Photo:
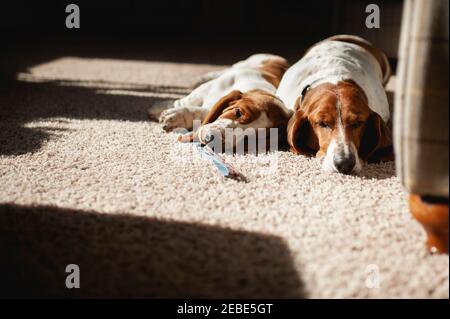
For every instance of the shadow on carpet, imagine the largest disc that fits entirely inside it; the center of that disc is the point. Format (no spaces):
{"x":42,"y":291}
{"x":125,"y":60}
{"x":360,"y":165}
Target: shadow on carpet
{"x":23,"y":102}
{"x":129,"y":256}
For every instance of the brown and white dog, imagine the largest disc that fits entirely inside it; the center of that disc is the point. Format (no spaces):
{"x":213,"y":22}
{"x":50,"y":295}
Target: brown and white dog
{"x":242,"y":96}
{"x":341,"y":108}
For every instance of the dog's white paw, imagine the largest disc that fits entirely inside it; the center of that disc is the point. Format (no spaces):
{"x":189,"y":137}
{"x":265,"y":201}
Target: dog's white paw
{"x":173,"y":118}
{"x":154,"y":112}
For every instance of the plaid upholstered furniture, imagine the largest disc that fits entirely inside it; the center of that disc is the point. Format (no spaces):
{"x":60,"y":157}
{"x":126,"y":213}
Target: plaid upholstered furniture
{"x":421,"y":115}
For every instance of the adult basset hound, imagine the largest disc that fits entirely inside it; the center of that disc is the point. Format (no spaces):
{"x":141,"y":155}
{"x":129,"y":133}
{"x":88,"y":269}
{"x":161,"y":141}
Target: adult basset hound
{"x":341,"y":108}
{"x":242,"y":96}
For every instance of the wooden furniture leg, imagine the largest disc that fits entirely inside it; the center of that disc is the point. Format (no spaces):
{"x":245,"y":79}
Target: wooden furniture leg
{"x":432,"y":213}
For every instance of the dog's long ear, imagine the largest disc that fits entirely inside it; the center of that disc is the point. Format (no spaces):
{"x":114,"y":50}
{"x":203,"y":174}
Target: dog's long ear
{"x":222,"y":104}
{"x":300,"y":135}
{"x":376,"y":142}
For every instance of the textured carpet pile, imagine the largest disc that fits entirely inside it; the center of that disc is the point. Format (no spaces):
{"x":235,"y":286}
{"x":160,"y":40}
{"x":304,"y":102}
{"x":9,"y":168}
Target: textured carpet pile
{"x":86,"y":179}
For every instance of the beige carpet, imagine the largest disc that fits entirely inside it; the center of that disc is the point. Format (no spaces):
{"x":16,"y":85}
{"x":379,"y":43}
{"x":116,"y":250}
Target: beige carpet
{"x":85,"y":179}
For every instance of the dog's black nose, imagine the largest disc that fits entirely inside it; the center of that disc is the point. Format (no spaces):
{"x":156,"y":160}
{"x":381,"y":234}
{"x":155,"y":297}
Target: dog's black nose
{"x":208,"y":137}
{"x":344,"y":163}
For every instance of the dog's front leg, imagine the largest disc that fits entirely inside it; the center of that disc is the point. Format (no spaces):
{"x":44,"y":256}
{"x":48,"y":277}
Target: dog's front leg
{"x":182,"y":117}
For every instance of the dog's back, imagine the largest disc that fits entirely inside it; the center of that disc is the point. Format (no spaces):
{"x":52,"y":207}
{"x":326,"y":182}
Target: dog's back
{"x":335,"y":59}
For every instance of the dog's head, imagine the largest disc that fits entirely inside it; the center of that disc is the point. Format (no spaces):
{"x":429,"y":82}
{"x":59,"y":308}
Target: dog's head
{"x":335,"y":122}
{"x":254,"y":109}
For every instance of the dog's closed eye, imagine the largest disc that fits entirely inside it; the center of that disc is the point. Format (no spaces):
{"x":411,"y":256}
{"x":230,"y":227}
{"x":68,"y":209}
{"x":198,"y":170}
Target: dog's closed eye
{"x":356,"y":124}
{"x":323,"y":124}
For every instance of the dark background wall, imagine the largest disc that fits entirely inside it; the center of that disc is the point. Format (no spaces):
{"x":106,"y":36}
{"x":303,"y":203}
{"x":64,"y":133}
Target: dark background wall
{"x":281,"y":26}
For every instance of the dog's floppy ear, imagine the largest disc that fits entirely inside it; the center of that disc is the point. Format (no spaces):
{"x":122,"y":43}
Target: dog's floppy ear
{"x":300,"y":135}
{"x":376,"y":142}
{"x":222,"y":104}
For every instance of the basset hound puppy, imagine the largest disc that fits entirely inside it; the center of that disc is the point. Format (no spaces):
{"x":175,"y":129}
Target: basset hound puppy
{"x":242,"y":96}
{"x":341,"y":108}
